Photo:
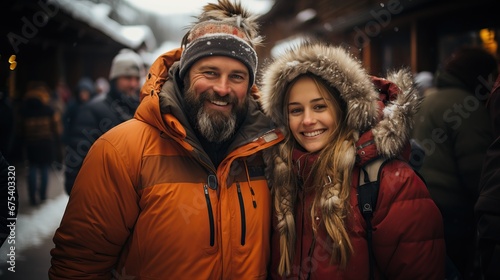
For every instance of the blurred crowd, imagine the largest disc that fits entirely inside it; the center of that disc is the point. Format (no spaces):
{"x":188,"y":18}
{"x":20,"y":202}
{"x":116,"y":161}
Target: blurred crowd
{"x":54,"y":128}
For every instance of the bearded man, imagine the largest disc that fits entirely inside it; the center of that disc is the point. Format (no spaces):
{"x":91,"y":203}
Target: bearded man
{"x":179,"y":191}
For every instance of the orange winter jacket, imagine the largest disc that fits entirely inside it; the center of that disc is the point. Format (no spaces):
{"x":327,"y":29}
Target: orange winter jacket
{"x":149,"y":204}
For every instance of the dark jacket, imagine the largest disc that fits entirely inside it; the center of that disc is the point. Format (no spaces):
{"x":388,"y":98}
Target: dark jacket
{"x":7,"y":131}
{"x":487,"y":206}
{"x":93,"y":120}
{"x":74,"y":105}
{"x":41,"y":127}
{"x":453,"y":127}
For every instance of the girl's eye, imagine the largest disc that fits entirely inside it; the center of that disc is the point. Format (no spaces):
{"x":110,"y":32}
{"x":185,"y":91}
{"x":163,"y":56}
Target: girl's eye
{"x":320,"y":107}
{"x":294,"y":111}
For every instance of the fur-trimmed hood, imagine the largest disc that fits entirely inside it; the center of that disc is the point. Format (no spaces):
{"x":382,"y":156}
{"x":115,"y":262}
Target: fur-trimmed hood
{"x":382,"y":108}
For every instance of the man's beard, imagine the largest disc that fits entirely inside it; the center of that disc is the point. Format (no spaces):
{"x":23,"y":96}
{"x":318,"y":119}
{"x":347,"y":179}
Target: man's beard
{"x":215,"y":126}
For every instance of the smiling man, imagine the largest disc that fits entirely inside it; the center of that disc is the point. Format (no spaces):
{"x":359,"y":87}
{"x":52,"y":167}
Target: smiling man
{"x":217,"y":99}
{"x":179,"y":191}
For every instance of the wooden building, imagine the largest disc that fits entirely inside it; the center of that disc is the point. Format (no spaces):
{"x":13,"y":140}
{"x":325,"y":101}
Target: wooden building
{"x":59,"y":41}
{"x":386,"y":34}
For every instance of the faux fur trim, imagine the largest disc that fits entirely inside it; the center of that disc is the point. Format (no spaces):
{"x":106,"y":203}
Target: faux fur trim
{"x":393,"y":132}
{"x":346,"y":73}
{"x":334,"y":65}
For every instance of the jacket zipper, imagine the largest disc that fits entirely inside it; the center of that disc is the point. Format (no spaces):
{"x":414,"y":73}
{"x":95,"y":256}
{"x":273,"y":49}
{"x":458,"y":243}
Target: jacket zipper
{"x":210,"y":215}
{"x":242,"y":211}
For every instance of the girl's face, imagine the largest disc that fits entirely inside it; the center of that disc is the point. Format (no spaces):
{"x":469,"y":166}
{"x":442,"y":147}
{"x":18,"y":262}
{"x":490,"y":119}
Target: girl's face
{"x":311,"y":117}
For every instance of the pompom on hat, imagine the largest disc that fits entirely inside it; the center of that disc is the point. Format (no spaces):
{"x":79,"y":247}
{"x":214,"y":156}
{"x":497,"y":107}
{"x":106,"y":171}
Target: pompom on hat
{"x":222,"y":29}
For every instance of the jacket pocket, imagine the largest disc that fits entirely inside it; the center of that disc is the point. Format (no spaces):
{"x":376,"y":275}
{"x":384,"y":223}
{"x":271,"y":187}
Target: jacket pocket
{"x":242,"y":212}
{"x":210,"y":215}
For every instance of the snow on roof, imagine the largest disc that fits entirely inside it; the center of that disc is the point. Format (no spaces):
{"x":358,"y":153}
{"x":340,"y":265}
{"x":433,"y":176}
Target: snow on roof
{"x":150,"y":57}
{"x":97,"y":16}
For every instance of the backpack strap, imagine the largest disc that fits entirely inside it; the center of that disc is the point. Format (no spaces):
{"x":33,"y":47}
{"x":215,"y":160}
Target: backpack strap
{"x":368,"y":188}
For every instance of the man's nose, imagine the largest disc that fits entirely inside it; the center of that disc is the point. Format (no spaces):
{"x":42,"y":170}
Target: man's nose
{"x":222,"y":86}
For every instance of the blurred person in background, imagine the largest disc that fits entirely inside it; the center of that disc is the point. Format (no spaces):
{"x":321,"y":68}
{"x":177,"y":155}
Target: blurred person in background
{"x":424,"y":81}
{"x":84,"y":91}
{"x":453,"y":128}
{"x":7,"y":123}
{"x":101,"y":114}
{"x":101,"y":86}
{"x":41,"y":134}
{"x":487,"y":207}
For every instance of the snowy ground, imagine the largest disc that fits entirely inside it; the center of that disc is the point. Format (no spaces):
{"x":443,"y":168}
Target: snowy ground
{"x":34,"y":228}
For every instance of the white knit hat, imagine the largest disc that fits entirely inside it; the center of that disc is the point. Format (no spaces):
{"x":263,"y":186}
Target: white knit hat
{"x":127,"y":63}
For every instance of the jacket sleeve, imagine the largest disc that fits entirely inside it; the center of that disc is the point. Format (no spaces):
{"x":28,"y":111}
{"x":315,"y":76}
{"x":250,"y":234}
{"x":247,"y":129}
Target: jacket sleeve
{"x":486,"y":208}
{"x":99,"y":217}
{"x":469,"y":155}
{"x":488,"y":213}
{"x":408,"y":233}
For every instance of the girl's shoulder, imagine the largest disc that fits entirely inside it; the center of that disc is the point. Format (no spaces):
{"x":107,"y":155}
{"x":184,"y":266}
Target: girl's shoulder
{"x":399,"y":182}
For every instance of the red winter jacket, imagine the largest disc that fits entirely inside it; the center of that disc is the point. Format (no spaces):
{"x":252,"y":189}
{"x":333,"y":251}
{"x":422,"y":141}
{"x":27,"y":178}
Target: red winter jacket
{"x":408,"y":238}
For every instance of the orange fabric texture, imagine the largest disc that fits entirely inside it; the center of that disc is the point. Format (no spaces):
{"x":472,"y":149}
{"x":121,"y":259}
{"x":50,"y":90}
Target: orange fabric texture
{"x":158,"y":72}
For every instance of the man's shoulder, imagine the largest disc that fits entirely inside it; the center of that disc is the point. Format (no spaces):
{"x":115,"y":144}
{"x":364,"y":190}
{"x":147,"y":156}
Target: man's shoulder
{"x":130,"y":130}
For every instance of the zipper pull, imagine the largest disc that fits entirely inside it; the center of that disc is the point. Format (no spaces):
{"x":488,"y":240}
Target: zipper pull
{"x":212,"y":181}
{"x":253,"y":197}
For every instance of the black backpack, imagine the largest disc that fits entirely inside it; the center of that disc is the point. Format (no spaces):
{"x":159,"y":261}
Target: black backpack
{"x":367,"y":200}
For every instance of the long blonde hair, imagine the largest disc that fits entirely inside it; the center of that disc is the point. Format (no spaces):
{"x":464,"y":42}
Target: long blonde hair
{"x":331,"y":181}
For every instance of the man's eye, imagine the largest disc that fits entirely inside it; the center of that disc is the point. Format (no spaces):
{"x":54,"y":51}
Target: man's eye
{"x":237,"y":77}
{"x":210,"y":73}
